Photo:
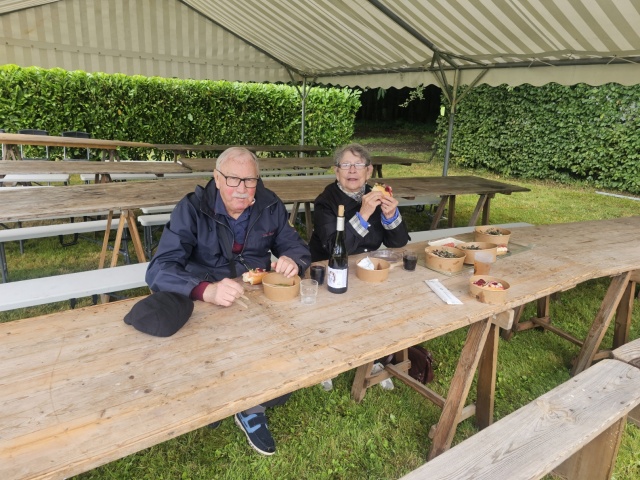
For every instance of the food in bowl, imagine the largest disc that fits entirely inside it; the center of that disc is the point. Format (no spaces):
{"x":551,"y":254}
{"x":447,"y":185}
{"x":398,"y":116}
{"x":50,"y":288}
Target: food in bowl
{"x":444,"y":259}
{"x":492,"y":285}
{"x":498,"y":235}
{"x":489,"y":289}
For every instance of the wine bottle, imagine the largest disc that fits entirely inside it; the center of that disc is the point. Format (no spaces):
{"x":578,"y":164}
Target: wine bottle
{"x":338,"y":268}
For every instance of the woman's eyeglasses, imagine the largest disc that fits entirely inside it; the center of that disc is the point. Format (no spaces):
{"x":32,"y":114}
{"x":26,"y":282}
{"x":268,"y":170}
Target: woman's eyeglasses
{"x":347,"y":166}
{"x":235,"y":181}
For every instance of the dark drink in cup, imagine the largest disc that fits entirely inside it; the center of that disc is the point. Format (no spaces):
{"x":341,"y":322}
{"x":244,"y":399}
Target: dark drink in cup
{"x":316,"y":272}
{"x":409,"y":260}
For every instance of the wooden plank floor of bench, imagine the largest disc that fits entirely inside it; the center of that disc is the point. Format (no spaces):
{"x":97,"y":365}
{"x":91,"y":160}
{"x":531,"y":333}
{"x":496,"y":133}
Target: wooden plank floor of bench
{"x":540,"y":436}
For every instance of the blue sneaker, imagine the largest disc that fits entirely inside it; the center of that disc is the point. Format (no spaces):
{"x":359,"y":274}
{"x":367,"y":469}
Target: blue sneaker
{"x":255,"y":428}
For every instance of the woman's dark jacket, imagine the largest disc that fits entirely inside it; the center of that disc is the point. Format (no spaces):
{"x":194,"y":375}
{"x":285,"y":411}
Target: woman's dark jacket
{"x":324,"y":218}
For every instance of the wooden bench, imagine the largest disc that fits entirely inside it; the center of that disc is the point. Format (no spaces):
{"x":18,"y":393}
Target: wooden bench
{"x":427,"y":235}
{"x":574,"y":430}
{"x":47,"y":178}
{"x":630,"y":353}
{"x":42,"y":231}
{"x":39,"y":291}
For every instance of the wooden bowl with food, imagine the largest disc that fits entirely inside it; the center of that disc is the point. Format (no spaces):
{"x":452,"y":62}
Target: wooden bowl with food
{"x":488,"y":289}
{"x":378,"y":274}
{"x":498,"y":235}
{"x":444,"y":259}
{"x":279,"y":288}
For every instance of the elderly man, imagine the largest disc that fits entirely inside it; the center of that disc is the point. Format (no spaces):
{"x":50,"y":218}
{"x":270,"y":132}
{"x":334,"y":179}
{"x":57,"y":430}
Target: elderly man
{"x":219,"y":232}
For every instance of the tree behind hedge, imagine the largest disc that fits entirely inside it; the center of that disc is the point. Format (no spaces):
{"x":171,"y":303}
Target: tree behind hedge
{"x":554,"y":132}
{"x":159,"y":110}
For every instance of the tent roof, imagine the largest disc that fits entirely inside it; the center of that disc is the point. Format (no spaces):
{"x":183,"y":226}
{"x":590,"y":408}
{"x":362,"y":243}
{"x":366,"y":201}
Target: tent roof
{"x":357,"y":42}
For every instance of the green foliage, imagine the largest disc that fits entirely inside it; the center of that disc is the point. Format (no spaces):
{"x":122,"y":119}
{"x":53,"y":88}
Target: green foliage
{"x":159,"y":110}
{"x":554,"y":132}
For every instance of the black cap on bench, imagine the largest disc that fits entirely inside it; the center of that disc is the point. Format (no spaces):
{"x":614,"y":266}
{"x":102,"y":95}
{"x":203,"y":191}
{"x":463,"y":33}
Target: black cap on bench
{"x":160,"y":314}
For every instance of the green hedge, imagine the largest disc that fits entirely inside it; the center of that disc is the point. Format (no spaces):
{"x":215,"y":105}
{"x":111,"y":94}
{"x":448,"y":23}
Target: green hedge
{"x":159,"y":110}
{"x":557,"y":132}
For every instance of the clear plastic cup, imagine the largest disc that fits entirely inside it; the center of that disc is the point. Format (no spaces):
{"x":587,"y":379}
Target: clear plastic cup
{"x":308,"y":291}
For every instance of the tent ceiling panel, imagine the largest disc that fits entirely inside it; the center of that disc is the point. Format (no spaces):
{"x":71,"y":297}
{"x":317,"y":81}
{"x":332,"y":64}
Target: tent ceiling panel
{"x":355,"y":42}
{"x":153,"y":38}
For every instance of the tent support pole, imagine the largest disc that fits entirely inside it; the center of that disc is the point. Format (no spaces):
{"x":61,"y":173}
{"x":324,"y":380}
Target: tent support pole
{"x":303,"y":93}
{"x":452,"y":97}
{"x":452,"y":116}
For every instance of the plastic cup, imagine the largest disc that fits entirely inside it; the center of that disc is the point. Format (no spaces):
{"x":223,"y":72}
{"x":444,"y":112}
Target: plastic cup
{"x":409,"y":260}
{"x":482,"y":263}
{"x":308,"y":291}
{"x":316,"y":272}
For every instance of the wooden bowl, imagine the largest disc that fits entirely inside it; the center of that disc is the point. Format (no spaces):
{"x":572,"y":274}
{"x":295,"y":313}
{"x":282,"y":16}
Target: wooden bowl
{"x":445,"y":264}
{"x":380,"y":274}
{"x":492,"y":248}
{"x":499,"y":236}
{"x":488,"y":294}
{"x":279,"y":288}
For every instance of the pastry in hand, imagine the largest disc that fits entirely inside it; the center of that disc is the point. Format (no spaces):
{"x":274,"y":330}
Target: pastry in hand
{"x":381,"y":187}
{"x":254,"y":276}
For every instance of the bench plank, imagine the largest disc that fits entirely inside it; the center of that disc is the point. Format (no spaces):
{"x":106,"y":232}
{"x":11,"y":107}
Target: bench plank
{"x":39,"y":291}
{"x":540,"y":436}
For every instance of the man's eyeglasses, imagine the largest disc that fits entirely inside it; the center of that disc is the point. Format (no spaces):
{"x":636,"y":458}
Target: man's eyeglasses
{"x":347,"y":166}
{"x":250,"y":182}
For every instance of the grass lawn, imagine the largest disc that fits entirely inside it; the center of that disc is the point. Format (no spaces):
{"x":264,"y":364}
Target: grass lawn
{"x":325,"y":435}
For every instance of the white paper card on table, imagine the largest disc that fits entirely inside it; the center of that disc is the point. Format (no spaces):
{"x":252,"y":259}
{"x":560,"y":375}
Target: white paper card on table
{"x":443,"y":292}
{"x":449,"y":241}
{"x":367,"y":264}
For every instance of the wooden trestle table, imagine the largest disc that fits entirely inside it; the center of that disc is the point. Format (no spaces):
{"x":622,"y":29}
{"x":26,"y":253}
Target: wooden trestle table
{"x":9,"y":140}
{"x":101,"y":170}
{"x":81,"y":388}
{"x":77,"y":199}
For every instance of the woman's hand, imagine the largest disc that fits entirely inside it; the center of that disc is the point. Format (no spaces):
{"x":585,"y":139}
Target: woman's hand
{"x":388,"y":205}
{"x":370,"y":202}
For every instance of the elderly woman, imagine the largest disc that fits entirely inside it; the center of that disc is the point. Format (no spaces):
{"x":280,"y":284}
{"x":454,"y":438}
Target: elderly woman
{"x":371,"y":217}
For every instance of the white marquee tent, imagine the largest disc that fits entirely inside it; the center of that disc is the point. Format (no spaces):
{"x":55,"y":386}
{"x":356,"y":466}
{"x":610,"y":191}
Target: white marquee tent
{"x":365,"y":43}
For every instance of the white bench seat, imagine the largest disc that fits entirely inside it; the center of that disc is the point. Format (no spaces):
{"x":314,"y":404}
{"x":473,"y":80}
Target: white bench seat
{"x":426,"y":235}
{"x":40,"y":291}
{"x":43,"y":231}
{"x":36,"y":178}
{"x":158,"y":209}
{"x":574,"y":430}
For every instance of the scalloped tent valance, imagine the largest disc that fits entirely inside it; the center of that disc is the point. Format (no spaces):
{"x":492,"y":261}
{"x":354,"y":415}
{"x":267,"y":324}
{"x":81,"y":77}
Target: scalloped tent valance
{"x":375,"y":43}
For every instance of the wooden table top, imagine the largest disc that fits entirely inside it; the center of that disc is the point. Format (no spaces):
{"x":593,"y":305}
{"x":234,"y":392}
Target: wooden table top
{"x":52,"y":364}
{"x":254,"y":148}
{"x":208,"y":164}
{"x":31,"y":204}
{"x":82,"y":166}
{"x":54,"y":141}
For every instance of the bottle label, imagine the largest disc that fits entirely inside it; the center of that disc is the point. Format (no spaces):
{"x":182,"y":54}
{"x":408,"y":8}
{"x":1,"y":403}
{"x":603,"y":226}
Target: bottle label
{"x":340,"y":224}
{"x":337,"y":278}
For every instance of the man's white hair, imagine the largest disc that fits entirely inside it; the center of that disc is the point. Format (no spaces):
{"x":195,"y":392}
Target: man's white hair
{"x":235,"y":152}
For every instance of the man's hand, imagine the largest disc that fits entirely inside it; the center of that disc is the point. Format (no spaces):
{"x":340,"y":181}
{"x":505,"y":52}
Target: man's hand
{"x":388,"y":205}
{"x":223,"y":293}
{"x":286,"y":266}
